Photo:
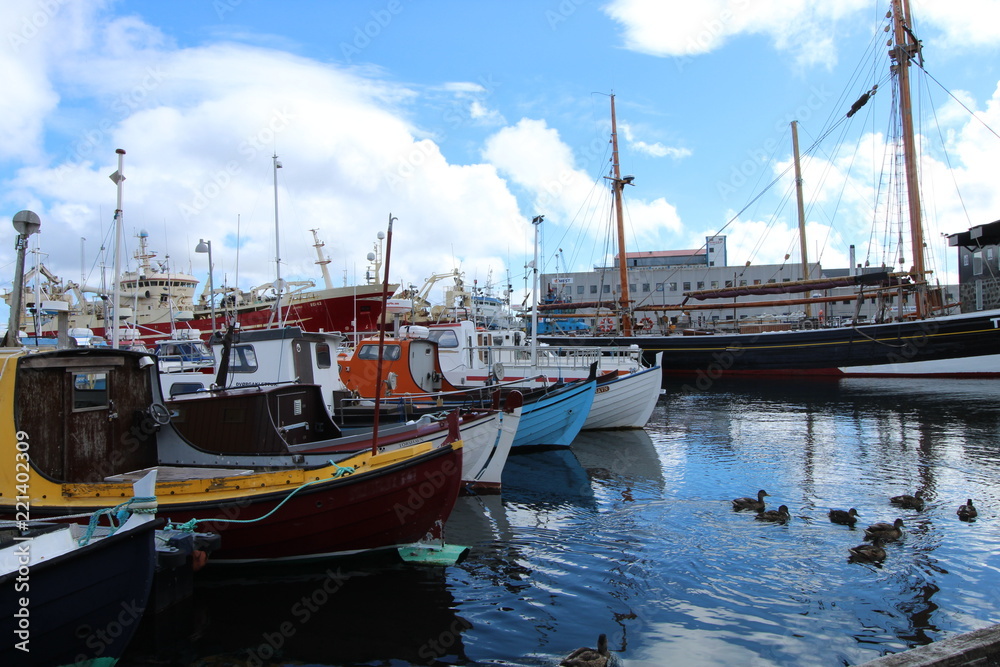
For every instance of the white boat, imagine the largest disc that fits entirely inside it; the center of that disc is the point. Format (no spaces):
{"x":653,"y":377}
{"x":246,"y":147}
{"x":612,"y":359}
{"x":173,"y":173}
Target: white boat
{"x":627,"y":387}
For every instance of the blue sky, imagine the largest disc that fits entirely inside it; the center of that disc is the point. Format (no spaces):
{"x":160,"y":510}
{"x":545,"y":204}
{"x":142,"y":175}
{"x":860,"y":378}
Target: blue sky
{"x":464,"y":120}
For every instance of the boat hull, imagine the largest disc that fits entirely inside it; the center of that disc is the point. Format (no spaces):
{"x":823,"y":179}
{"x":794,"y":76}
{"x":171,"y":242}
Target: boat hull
{"x":382,"y":508}
{"x":556,"y":419}
{"x":626,"y":401}
{"x":940,"y":347}
{"x":84,"y":605}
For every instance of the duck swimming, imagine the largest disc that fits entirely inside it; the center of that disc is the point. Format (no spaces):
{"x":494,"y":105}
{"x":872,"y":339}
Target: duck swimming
{"x":887,"y":532}
{"x":845,"y":517}
{"x":914,"y":502}
{"x":779,"y":515}
{"x":967,"y":512}
{"x":755,"y":504}
{"x":868,"y":553}
{"x":588,"y":657}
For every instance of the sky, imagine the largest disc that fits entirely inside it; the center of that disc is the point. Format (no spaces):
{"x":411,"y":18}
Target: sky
{"x":464,"y":120}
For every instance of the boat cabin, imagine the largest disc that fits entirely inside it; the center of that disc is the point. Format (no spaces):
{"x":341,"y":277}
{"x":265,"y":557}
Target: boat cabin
{"x":90,"y":413}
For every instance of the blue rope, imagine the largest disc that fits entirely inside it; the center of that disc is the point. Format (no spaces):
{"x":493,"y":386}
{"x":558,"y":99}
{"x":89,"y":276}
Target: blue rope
{"x":117,"y":516}
{"x":190,"y":524}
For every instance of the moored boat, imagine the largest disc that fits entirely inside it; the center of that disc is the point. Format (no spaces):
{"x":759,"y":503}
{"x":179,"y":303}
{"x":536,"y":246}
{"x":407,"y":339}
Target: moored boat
{"x":93,"y":420}
{"x":915,"y":337}
{"x":72,"y":594}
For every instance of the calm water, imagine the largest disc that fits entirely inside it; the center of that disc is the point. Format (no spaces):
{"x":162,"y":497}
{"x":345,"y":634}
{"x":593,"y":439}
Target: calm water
{"x":632,"y":534}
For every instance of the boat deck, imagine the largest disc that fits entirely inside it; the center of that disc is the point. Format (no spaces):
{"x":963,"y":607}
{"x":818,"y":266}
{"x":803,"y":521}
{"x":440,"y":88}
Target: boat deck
{"x":178,"y":473}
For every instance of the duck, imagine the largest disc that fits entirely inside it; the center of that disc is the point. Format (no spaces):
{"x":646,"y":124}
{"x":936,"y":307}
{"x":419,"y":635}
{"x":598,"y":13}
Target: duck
{"x":756,"y":504}
{"x":887,"y":532}
{"x":845,"y":517}
{"x":914,"y":502}
{"x":967,"y":512}
{"x":779,"y":515}
{"x":588,"y":657}
{"x":868,"y":553}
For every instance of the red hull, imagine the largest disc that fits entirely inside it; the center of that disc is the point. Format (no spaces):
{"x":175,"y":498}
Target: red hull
{"x":396,"y":505}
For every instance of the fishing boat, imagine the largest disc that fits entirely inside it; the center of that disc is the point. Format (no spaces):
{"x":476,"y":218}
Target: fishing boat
{"x":94,"y":420}
{"x":153,"y":301}
{"x":552,"y":413}
{"x":917,"y":337}
{"x":74,"y":594}
{"x":627,"y":386}
{"x":289,"y":378}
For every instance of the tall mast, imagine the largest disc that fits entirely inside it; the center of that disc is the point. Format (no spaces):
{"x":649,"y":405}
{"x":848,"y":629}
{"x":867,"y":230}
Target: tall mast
{"x":322,"y":260}
{"x":905,"y":46}
{"x":619,"y":184}
{"x":277,"y":243}
{"x":537,"y":222}
{"x":801,"y":207}
{"x":118,"y":177}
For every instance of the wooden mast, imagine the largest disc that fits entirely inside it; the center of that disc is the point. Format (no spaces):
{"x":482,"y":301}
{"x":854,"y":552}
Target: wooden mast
{"x":624,"y":302}
{"x":904,"y":47}
{"x":801,"y":208}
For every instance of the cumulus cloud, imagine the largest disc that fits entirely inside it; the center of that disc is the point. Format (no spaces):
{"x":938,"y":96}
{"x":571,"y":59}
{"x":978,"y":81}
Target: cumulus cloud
{"x":200,"y":125}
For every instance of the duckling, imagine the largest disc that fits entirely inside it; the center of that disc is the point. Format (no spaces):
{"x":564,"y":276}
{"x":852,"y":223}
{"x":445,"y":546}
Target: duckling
{"x":887,"y":532}
{"x":868,"y":553}
{"x":740,"y":504}
{"x":967,"y":512}
{"x":588,"y":657}
{"x":845,"y":517}
{"x":914,"y":502}
{"x":779,"y":515}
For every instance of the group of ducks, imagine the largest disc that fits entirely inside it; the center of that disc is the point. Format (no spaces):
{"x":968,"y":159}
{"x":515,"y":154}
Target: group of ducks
{"x":877,"y":533}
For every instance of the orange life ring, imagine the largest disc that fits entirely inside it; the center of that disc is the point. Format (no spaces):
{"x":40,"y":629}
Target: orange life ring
{"x":607,"y":324}
{"x":646,"y":323}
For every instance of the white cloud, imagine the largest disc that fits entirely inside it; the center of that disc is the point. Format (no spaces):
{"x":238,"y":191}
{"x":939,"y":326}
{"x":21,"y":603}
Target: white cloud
{"x":199,"y":126}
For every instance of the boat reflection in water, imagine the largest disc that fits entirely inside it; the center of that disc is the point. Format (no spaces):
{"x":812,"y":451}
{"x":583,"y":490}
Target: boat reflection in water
{"x":632,"y":534}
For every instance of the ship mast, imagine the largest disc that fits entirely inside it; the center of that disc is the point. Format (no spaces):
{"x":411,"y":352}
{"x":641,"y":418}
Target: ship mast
{"x":904,"y":47}
{"x":801,"y":209}
{"x":619,"y":184}
{"x":322,"y":259}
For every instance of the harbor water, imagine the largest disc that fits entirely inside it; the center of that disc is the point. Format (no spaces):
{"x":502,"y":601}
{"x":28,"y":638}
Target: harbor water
{"x":632,"y":534}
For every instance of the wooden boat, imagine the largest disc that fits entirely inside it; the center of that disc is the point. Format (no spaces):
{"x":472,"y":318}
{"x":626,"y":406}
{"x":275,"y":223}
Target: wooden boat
{"x":552,"y":414}
{"x":74,"y":596}
{"x":297,"y":430}
{"x":919,"y":339}
{"x":293,"y":377}
{"x":93,"y":420}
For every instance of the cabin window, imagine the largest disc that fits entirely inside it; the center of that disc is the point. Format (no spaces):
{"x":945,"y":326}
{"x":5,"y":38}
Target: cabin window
{"x":444,"y":337}
{"x":371,"y":352}
{"x":593,"y":289}
{"x":673,"y":287}
{"x":243,"y":359}
{"x":687,"y":286}
{"x":701,"y":284}
{"x":90,"y":390}
{"x":178,"y":388}
{"x":631,"y":287}
{"x":606,"y":289}
{"x":323,"y":357}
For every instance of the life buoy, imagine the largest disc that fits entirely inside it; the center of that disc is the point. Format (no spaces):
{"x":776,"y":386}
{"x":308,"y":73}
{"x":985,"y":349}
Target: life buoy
{"x":646,"y":323}
{"x":607,"y":324}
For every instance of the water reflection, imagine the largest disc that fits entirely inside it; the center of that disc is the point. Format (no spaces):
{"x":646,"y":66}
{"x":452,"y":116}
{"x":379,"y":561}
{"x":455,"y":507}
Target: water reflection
{"x":632,"y":534}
